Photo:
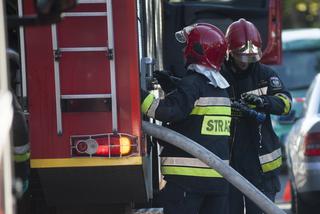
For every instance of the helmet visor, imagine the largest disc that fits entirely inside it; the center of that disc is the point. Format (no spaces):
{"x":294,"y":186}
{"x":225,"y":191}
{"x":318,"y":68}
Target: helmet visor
{"x":247,"y":53}
{"x":182,"y":35}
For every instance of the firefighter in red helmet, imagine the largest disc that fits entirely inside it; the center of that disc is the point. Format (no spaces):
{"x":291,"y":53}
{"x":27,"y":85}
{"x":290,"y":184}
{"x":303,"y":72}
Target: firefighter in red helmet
{"x":244,"y":42}
{"x":255,"y":148}
{"x":200,"y":109}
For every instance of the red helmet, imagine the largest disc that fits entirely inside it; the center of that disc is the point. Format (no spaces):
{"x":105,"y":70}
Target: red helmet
{"x":244,"y":42}
{"x":206,"y":45}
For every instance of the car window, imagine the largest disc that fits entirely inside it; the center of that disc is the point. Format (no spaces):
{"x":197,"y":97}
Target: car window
{"x":298,"y":68}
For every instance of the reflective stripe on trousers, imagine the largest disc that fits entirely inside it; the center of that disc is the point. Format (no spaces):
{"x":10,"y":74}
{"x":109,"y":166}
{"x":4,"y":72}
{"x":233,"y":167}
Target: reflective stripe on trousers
{"x":187,"y":167}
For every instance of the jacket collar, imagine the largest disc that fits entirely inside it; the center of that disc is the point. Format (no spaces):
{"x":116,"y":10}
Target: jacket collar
{"x":215,"y":78}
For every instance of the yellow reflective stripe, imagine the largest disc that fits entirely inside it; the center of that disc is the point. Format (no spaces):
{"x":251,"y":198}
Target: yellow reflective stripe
{"x":147,"y":102}
{"x":85,"y":162}
{"x":182,"y":161}
{"x":216,"y":125}
{"x":287,"y":103}
{"x":22,"y":157}
{"x":272,"y":165}
{"x":206,"y":110}
{"x":189,"y":171}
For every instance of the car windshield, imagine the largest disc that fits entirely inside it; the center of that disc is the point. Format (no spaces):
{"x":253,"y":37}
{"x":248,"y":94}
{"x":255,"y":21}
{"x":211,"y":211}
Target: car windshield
{"x":298,"y":68}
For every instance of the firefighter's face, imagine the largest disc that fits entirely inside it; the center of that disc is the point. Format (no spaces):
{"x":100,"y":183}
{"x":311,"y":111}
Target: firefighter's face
{"x":241,"y":65}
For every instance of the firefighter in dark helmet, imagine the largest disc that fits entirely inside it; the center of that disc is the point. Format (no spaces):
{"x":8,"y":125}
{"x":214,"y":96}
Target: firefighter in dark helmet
{"x":198,"y":108}
{"x":255,"y":148}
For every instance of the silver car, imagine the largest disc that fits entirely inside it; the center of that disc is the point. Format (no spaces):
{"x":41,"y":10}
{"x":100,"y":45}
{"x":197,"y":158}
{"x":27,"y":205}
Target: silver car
{"x":303,"y":154}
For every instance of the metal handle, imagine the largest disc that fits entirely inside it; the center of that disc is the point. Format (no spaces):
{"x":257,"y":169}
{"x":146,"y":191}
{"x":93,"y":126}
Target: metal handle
{"x":146,"y":70}
{"x":110,"y":45}
{"x":57,"y":80}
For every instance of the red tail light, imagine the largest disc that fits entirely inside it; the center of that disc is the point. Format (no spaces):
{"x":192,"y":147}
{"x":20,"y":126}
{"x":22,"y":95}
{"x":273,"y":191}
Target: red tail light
{"x":312,"y":144}
{"x":102,"y":150}
{"x":118,"y":145}
{"x":106,"y":145}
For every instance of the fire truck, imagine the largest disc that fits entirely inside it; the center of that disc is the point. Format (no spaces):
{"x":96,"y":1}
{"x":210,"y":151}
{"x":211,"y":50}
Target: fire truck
{"x":80,"y":83}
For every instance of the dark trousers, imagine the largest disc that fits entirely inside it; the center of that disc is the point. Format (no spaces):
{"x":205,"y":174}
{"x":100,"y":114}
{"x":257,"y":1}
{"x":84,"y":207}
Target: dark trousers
{"x":176,"y":200}
{"x":238,"y":202}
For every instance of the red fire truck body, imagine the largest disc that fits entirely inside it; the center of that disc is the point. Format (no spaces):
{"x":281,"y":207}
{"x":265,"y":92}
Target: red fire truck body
{"x":83,"y":98}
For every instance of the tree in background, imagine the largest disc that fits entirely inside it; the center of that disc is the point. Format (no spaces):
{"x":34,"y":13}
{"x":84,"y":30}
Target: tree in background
{"x":301,"y":13}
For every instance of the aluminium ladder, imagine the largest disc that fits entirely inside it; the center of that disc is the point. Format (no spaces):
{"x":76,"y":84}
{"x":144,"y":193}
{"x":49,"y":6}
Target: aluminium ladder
{"x":108,"y":49}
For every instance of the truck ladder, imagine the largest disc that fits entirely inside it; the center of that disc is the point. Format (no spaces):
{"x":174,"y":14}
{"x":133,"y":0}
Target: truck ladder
{"x":109,"y":49}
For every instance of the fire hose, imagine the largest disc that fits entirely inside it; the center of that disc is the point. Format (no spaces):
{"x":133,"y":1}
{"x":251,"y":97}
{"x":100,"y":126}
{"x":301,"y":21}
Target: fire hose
{"x":214,"y":162}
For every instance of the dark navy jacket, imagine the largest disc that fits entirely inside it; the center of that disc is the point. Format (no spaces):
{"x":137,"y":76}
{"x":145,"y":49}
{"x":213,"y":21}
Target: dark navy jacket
{"x":255,"y":148}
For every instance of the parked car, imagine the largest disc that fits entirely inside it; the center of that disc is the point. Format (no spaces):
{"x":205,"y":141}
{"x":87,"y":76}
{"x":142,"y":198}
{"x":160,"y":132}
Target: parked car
{"x":303,"y":154}
{"x":300,"y":64}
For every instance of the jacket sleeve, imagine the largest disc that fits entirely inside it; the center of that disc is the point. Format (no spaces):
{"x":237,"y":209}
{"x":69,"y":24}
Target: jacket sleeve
{"x":278,"y":99}
{"x":176,"y":106}
{"x":21,"y":145}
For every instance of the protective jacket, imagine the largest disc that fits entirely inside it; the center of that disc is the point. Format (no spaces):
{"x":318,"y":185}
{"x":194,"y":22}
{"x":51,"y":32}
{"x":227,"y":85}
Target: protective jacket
{"x":201,"y":112}
{"x":255,"y":148}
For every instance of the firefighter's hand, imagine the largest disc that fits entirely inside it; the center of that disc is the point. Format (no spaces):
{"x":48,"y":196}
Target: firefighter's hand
{"x":165,"y":80}
{"x":239,"y":107}
{"x":161,"y":75}
{"x":236,"y":105}
{"x":254,"y":100}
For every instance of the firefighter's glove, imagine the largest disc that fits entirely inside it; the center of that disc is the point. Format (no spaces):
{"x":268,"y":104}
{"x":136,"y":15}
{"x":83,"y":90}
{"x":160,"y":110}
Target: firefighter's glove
{"x":238,"y":107}
{"x":165,"y":80}
{"x":247,"y":112}
{"x":253,"y":99}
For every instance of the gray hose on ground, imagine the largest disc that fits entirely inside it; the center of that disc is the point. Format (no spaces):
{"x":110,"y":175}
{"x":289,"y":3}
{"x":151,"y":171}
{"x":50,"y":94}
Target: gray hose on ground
{"x":213,"y":161}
